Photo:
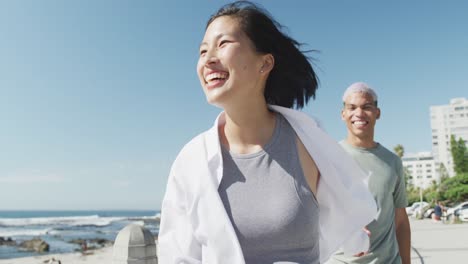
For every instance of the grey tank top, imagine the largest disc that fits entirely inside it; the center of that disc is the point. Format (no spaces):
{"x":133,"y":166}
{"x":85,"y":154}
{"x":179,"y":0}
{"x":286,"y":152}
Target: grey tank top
{"x":273,"y":211}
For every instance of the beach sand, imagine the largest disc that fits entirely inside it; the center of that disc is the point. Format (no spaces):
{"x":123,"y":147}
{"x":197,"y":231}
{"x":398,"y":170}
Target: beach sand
{"x":99,"y":256}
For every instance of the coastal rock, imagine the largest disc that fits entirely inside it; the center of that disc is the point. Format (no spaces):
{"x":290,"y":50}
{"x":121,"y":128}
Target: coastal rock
{"x":98,"y":241}
{"x":7,"y":241}
{"x":77,"y":241}
{"x":91,"y":244}
{"x":102,"y":242}
{"x":35,"y":244}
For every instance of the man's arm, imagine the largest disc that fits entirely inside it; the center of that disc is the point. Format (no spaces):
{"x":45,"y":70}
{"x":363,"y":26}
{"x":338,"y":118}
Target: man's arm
{"x":403,"y":234}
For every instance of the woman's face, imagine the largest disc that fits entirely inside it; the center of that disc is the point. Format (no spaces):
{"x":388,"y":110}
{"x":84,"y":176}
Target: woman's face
{"x":228,"y":66}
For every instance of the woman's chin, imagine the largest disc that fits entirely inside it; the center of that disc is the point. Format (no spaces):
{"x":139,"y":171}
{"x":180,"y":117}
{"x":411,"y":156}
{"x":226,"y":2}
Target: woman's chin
{"x":216,"y":98}
{"x":212,"y":100}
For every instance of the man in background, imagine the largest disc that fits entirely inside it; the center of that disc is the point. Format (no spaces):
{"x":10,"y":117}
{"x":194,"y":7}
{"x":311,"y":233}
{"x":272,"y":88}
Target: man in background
{"x":390,"y":238}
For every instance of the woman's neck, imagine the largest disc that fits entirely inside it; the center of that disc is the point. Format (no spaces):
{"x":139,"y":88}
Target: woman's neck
{"x":247,"y":129}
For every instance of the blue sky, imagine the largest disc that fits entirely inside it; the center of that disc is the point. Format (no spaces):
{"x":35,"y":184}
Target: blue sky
{"x":98,"y":97}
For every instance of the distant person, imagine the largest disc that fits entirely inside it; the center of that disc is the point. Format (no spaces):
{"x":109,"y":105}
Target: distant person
{"x":84,"y":246}
{"x":265,"y":184}
{"x":438,"y":209}
{"x":390,"y":232}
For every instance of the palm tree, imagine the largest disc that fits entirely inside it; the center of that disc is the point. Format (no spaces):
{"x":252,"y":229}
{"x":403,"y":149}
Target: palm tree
{"x":399,"y":150}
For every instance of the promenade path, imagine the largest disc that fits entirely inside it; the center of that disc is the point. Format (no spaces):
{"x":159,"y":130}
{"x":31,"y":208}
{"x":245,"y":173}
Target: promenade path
{"x":438,"y":243}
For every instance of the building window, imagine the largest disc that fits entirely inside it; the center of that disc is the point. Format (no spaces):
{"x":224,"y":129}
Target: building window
{"x":435,"y":143}
{"x":460,"y":129}
{"x":429,"y":176}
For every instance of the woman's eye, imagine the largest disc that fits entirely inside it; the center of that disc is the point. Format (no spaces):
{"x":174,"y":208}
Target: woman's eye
{"x":202,"y":52}
{"x":223,"y":42}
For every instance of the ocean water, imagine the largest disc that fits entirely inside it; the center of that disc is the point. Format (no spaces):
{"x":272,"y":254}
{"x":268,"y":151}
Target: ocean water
{"x":58,"y":228}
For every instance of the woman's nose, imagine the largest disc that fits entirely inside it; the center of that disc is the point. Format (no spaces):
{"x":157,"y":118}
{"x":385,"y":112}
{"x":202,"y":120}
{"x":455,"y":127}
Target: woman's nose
{"x":211,"y":60}
{"x":211,"y":57}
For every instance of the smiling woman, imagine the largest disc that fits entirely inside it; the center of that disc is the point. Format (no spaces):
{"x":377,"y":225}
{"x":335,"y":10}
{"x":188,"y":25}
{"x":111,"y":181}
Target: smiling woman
{"x":247,"y":190}
{"x":228,"y":67}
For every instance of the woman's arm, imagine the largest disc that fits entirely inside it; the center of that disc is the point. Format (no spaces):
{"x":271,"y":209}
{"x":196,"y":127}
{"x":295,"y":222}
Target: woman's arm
{"x":176,"y":241}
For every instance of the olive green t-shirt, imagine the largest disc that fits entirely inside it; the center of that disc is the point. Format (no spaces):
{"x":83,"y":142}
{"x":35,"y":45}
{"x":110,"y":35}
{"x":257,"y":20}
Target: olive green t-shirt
{"x":387,"y":185}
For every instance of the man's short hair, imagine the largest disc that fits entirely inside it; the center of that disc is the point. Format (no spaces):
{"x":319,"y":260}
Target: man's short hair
{"x":360,"y":87}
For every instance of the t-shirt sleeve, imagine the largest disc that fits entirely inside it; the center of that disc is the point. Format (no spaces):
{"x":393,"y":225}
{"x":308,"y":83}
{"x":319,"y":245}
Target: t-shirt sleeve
{"x":399,"y":194}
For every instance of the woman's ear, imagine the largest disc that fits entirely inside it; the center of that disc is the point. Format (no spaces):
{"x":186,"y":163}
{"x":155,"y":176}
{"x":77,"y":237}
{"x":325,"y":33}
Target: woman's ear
{"x":268,"y":63}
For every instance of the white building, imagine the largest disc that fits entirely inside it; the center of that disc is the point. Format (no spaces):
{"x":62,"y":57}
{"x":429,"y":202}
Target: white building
{"x":422,"y":169}
{"x":447,"y":120}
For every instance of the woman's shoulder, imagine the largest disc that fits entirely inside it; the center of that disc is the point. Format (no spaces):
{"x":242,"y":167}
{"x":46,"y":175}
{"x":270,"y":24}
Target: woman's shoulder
{"x":195,"y":147}
{"x":296,"y":117}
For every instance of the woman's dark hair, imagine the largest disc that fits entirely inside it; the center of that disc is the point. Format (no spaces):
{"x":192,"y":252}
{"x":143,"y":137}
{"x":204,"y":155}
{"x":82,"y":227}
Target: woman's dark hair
{"x":292,"y":81}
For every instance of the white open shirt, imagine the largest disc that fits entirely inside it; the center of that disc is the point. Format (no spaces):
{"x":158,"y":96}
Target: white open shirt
{"x":195,"y":227}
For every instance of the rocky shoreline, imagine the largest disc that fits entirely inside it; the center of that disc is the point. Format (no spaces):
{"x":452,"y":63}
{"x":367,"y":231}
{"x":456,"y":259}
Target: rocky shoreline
{"x":40,"y":246}
{"x":36,"y":244}
{"x":98,"y":256}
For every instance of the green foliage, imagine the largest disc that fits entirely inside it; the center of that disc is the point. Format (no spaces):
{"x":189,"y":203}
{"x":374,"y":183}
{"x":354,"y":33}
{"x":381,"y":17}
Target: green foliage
{"x":459,"y":155}
{"x":431,"y":194}
{"x":455,"y":189}
{"x":443,"y":172}
{"x":458,"y":193}
{"x":451,"y":190}
{"x":399,"y":150}
{"x":412,"y":194}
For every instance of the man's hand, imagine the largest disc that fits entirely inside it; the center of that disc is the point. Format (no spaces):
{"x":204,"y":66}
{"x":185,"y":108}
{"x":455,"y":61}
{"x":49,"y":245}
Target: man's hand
{"x":360,"y":254}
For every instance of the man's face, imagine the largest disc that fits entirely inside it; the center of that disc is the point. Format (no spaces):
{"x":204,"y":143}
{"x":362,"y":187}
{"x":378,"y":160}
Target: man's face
{"x":360,"y":114}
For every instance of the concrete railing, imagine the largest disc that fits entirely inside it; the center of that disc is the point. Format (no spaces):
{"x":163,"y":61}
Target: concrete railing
{"x":134,"y":244}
